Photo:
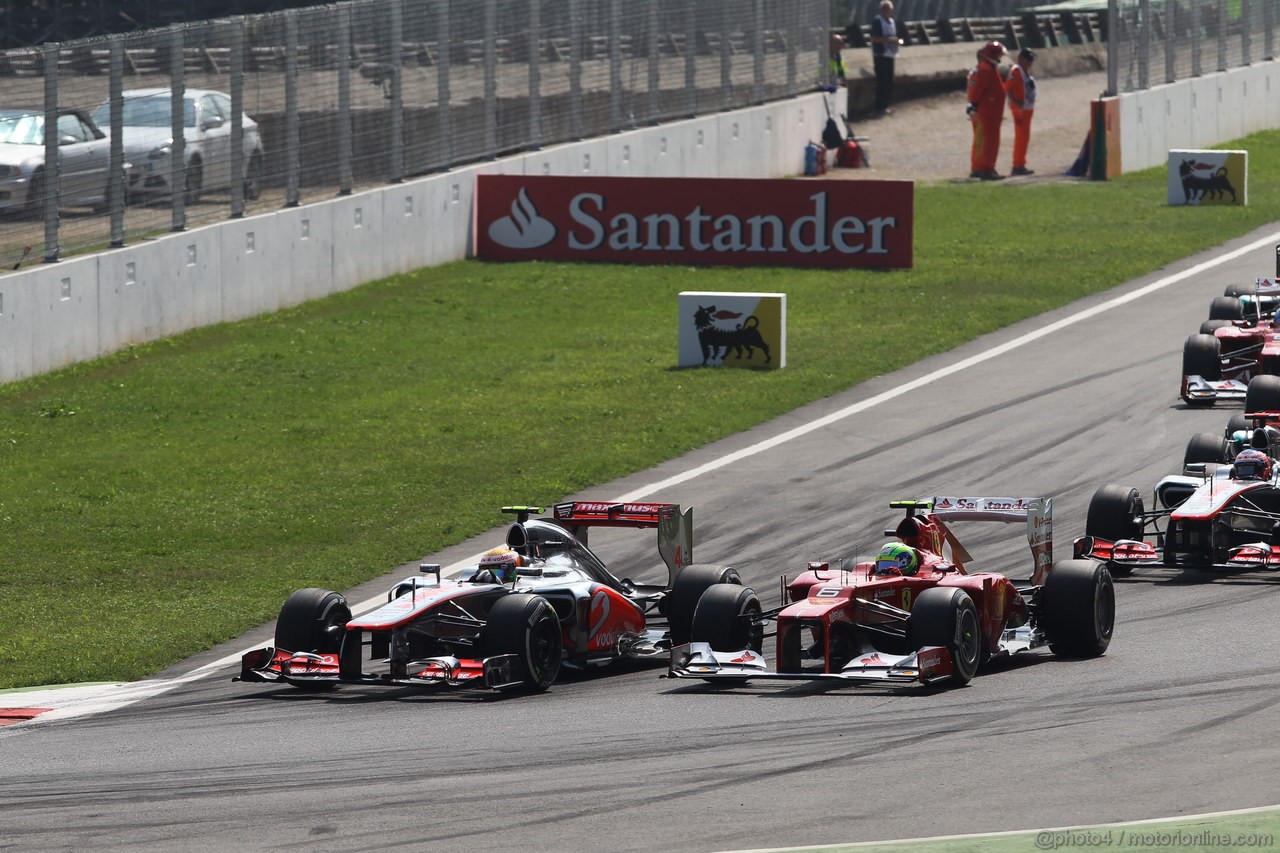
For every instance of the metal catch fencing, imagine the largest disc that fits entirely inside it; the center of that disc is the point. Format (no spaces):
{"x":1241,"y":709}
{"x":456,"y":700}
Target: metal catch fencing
{"x":136,"y":134}
{"x":1162,"y":41}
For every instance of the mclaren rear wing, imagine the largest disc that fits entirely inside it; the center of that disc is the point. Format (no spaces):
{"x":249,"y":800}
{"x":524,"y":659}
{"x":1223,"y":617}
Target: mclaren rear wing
{"x":1036,"y":512}
{"x":675,"y":527}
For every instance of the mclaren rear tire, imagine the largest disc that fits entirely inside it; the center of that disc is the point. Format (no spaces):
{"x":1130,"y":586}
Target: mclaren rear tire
{"x":687,"y":589}
{"x":312,"y":620}
{"x":526,"y":626}
{"x":946,"y":616}
{"x":1078,"y":609}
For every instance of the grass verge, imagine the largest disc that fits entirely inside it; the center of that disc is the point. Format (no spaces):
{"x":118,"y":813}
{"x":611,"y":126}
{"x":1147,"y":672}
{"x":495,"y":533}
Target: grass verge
{"x":168,"y":497}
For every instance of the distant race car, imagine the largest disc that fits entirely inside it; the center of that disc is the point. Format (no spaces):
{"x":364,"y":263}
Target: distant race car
{"x":1223,"y":516}
{"x":914,"y":615}
{"x":1239,"y":341}
{"x":540,"y":601}
{"x":1257,"y":428}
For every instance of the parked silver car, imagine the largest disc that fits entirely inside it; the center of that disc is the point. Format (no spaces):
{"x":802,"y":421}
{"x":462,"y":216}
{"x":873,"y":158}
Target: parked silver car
{"x":84,"y":155}
{"x":148,"y":142}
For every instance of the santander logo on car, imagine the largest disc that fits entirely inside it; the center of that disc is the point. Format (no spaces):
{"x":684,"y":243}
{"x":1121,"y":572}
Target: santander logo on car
{"x":703,"y":221}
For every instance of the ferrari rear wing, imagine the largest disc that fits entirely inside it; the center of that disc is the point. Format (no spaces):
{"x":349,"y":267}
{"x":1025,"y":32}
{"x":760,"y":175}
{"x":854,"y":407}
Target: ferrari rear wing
{"x":1036,"y":512}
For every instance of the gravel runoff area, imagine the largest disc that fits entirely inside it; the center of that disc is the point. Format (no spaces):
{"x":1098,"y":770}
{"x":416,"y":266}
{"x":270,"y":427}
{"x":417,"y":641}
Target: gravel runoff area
{"x":928,"y":139}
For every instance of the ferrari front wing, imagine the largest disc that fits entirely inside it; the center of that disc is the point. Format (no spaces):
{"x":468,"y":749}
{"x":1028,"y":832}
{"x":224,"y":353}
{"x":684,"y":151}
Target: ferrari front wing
{"x":699,"y":660}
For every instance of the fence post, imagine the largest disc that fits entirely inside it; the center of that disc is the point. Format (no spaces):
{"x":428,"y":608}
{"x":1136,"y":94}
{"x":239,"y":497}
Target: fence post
{"x":1222,"y":34}
{"x":1144,"y":44}
{"x":179,"y":174}
{"x":1246,"y":18}
{"x":691,"y":59}
{"x":490,"y":81}
{"x":396,"y":36}
{"x":1170,"y":41}
{"x":575,"y":69}
{"x":655,"y":56}
{"x":292,"y":195}
{"x":757,"y":51}
{"x":51,"y":198}
{"x":344,"y":58}
{"x":726,"y":59}
{"x":116,"y":188}
{"x":535,"y":73}
{"x":237,"y":118}
{"x":443,"y":94}
{"x":616,"y":118}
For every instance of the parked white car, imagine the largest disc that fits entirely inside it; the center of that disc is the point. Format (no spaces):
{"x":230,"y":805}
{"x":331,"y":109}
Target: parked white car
{"x":83,"y":160}
{"x":148,"y":142}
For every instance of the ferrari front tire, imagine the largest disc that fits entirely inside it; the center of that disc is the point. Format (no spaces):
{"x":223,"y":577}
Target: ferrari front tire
{"x":691,"y":582}
{"x":946,"y":616}
{"x":728,"y":618}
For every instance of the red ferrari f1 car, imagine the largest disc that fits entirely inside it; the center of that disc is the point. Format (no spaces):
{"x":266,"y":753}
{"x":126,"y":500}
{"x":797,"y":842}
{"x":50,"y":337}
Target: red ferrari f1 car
{"x":1239,"y":341}
{"x":915,"y":615}
{"x":540,"y":601}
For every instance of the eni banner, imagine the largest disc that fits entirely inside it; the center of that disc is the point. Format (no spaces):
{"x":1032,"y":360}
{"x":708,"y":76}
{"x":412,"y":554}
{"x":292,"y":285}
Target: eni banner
{"x":733,"y":329}
{"x":695,"y":221}
{"x":1205,"y":177}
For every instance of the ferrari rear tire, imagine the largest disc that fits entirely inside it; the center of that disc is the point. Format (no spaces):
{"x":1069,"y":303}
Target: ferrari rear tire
{"x":728,"y":618}
{"x":312,"y":620}
{"x":1262,"y":395}
{"x":1208,"y":327}
{"x":1078,"y":608}
{"x":1226,"y":308}
{"x":1205,"y":447}
{"x":688,"y":587}
{"x":946,"y":616}
{"x":1202,"y":356}
{"x":526,"y":626}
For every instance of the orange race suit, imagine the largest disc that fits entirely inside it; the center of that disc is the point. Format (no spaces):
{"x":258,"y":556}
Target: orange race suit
{"x":1021,"y":89}
{"x":986,"y":102}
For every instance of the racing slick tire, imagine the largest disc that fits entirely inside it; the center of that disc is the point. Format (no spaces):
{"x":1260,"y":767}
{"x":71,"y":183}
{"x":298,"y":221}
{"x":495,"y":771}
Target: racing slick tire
{"x":1262,"y":395}
{"x":946,"y":616}
{"x":1078,"y":608}
{"x":1115,"y":513}
{"x":1226,"y":308}
{"x":1236,"y":423}
{"x":1208,"y":327}
{"x":1238,"y":290}
{"x":689,"y":585}
{"x":728,"y":618}
{"x":1202,"y":356}
{"x":312,"y":620}
{"x":1205,"y":447}
{"x":526,"y":626}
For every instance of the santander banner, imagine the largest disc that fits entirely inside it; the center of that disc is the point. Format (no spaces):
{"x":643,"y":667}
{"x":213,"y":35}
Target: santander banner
{"x":695,"y":221}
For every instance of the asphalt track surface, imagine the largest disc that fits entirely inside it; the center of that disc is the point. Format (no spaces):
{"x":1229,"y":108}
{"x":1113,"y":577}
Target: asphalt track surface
{"x":1178,"y":718}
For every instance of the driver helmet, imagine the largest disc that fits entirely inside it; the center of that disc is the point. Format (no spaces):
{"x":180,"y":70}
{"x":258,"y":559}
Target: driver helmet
{"x":1252,"y":465}
{"x":897,"y":559}
{"x":501,"y":563}
{"x":994,"y":51}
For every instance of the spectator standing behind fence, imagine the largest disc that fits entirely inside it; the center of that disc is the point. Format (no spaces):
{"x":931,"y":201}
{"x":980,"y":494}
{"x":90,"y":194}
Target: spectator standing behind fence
{"x":1021,"y":90}
{"x":884,"y":50}
{"x":986,"y":111}
{"x":837,"y":74}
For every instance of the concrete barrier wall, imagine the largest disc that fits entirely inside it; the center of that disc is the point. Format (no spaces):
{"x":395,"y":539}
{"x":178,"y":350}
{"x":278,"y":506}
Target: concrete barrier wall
{"x":1197,"y":113}
{"x":55,"y":315}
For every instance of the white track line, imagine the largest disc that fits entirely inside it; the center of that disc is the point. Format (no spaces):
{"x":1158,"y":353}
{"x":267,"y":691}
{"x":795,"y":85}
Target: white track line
{"x":114,"y":696}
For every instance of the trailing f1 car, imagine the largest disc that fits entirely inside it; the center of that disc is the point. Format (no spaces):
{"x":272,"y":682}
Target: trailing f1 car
{"x":914,"y":615}
{"x":540,"y":601}
{"x":1239,"y":341}
{"x":1210,"y":516}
